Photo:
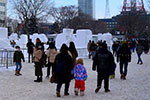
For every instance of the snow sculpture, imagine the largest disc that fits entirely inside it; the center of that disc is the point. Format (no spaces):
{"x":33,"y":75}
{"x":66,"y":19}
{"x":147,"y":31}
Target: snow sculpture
{"x":3,"y":33}
{"x":100,"y":36}
{"x":13,"y":36}
{"x":83,"y":37}
{"x":65,"y":37}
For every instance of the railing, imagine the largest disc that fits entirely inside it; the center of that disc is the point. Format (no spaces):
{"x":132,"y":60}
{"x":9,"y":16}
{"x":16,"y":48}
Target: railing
{"x":6,"y":58}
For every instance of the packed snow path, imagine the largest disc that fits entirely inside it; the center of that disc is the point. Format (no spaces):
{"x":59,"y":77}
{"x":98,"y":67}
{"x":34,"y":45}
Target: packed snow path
{"x":136,"y":87}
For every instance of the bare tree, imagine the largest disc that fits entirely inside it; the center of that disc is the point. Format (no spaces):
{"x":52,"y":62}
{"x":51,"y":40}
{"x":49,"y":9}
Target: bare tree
{"x":133,"y":24}
{"x":71,"y":17}
{"x":31,"y":12}
{"x":63,"y":15}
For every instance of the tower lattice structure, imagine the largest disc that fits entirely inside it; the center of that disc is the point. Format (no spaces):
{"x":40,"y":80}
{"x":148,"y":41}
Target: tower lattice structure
{"x":133,"y":5}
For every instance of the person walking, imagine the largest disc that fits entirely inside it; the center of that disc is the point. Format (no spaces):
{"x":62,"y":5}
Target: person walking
{"x":124,"y":57}
{"x":18,"y":56}
{"x":102,"y":62}
{"x":30,"y":46}
{"x":139,"y":51}
{"x":80,"y":74}
{"x":73,"y":52}
{"x":93,"y":49}
{"x":62,"y":70}
{"x":38,"y":67}
{"x":51,"y":54}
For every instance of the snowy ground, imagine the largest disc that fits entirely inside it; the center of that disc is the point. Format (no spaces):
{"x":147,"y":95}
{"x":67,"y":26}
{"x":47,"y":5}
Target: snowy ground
{"x":136,"y":87}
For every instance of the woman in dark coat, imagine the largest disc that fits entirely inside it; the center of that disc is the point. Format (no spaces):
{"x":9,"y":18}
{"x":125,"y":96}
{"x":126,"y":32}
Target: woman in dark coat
{"x":62,"y":70}
{"x":74,"y":52}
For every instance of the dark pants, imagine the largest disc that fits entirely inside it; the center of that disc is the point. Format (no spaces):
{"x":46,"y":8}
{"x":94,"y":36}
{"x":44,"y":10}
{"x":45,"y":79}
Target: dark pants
{"x":30,"y":56}
{"x":49,"y":67}
{"x":38,"y":69}
{"x":67,"y":84}
{"x":123,"y":67}
{"x":139,"y":58}
{"x":100,"y":78}
{"x":18,"y":66}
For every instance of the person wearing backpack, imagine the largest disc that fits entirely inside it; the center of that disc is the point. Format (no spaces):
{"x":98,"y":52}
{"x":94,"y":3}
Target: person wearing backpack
{"x":38,"y":67}
{"x":123,"y":57}
{"x":102,"y":63}
{"x":62,"y":70}
{"x":51,"y":54}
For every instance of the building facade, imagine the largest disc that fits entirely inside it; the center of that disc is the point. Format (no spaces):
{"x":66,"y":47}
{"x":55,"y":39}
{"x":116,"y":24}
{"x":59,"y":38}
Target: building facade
{"x":3,"y":12}
{"x":111,"y":23}
{"x":87,"y":7}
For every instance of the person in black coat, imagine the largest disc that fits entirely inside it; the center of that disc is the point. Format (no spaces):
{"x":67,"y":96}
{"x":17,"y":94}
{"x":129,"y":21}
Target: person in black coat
{"x":103,"y":62}
{"x":62,"y":70}
{"x":30,"y":46}
{"x":124,"y":57}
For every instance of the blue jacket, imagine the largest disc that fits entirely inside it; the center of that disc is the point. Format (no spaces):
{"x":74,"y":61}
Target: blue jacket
{"x":79,"y":72}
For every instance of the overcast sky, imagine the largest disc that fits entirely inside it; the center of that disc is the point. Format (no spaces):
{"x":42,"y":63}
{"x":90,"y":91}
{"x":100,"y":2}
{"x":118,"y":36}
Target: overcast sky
{"x":115,"y":6}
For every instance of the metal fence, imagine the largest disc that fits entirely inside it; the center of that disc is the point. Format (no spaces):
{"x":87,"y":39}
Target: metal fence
{"x":6,"y":58}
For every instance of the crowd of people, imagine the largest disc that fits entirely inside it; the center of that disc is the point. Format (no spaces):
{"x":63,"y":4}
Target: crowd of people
{"x":64,"y":65}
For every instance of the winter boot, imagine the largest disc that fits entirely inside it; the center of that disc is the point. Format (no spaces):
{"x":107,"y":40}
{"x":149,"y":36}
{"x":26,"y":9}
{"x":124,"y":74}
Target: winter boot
{"x":37,"y":80}
{"x":122,"y":76}
{"x":19,"y":73}
{"x":97,"y":89}
{"x":41,"y":79}
{"x":107,"y":90}
{"x":76,"y":91}
{"x":16,"y":73}
{"x":82,"y":93}
{"x":58,"y":94}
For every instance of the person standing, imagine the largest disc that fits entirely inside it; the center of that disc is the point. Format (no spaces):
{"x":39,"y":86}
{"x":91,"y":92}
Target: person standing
{"x":38,"y":67}
{"x":124,"y":57}
{"x":93,"y":49}
{"x":103,"y":62}
{"x":73,"y":52}
{"x":51,"y":54}
{"x":62,"y":70}
{"x":88,"y":47}
{"x":139,"y":51}
{"x":30,"y":46}
{"x":80,"y":74}
{"x":18,"y":55}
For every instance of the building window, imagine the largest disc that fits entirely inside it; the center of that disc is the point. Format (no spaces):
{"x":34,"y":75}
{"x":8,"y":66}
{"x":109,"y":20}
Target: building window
{"x":2,"y":13}
{"x":2,"y":4}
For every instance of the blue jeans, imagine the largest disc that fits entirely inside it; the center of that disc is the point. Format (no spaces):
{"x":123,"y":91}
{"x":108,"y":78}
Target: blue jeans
{"x":123,"y":67}
{"x":18,"y":66}
{"x":139,"y":58}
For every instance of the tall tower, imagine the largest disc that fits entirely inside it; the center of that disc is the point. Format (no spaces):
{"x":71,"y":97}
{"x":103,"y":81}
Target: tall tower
{"x":107,"y":12}
{"x":130,"y":5}
{"x":87,"y":7}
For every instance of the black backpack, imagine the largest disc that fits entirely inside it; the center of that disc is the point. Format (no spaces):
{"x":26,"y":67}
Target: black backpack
{"x":42,"y":61}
